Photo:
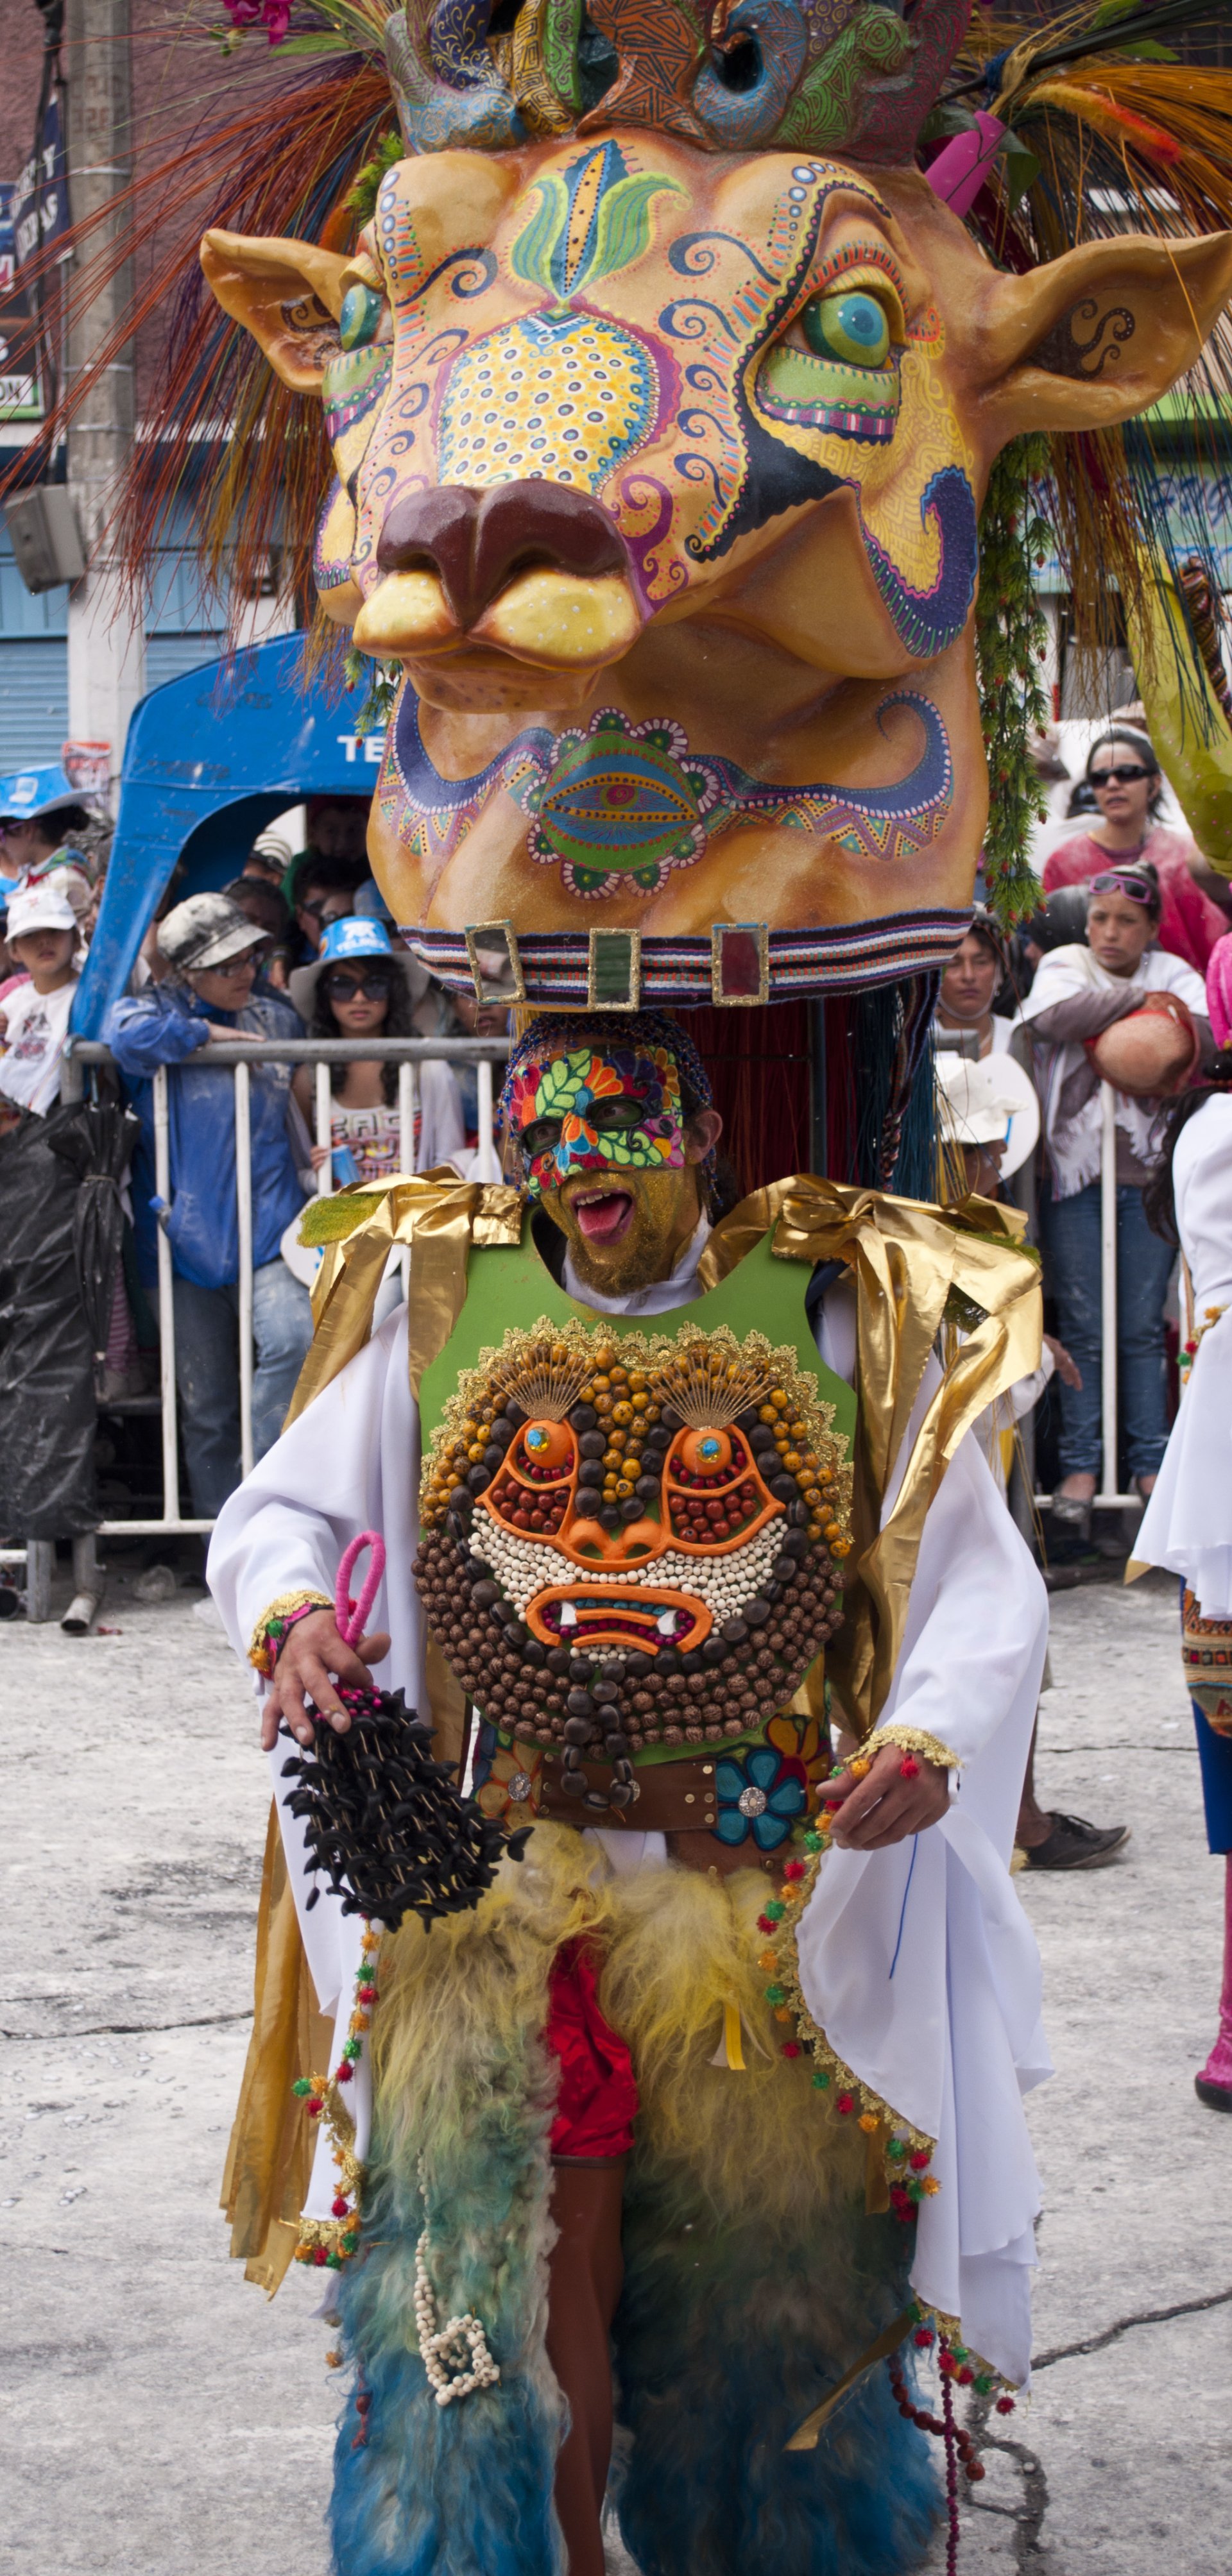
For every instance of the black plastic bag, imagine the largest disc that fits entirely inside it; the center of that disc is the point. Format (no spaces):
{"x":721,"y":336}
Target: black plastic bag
{"x":98,"y":1144}
{"x":47,"y":1408}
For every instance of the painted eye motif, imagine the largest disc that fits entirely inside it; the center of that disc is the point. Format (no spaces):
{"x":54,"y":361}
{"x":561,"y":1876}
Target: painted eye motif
{"x":853,"y":327}
{"x":359,"y":319}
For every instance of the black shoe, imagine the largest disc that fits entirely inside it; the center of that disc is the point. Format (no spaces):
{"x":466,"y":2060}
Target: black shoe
{"x":1073,"y":1844}
{"x":1217,"y":2097}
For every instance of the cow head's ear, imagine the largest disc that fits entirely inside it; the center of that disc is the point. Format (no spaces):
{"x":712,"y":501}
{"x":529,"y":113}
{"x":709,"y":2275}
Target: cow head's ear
{"x":286,"y":293}
{"x":1091,"y":338}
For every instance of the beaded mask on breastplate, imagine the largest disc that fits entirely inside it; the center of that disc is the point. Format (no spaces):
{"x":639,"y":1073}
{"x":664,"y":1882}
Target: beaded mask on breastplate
{"x":632,"y":1540}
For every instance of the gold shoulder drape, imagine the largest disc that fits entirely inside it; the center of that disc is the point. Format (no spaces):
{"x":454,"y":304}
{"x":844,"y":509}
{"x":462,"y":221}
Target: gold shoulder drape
{"x":910,"y":1263}
{"x":437,"y":1213}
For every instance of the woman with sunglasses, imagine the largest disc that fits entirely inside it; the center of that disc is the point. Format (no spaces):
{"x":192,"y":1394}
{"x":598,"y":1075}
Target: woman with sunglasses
{"x":1128,"y":786}
{"x":1079,"y":992}
{"x":361,"y":986}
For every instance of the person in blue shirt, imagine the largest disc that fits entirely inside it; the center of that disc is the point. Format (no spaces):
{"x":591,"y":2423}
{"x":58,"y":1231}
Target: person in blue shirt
{"x":211,"y":992}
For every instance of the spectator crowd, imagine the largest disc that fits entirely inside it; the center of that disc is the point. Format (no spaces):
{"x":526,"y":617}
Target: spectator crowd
{"x":1105,"y":985}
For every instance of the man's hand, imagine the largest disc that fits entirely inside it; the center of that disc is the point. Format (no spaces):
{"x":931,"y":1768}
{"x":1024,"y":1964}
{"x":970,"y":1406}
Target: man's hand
{"x":884,"y":1808}
{"x":313,"y":1651}
{"x":220,"y":1036}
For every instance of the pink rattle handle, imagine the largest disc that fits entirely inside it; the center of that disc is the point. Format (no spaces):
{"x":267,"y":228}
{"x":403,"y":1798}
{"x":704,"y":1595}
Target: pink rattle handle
{"x":351,"y":1617}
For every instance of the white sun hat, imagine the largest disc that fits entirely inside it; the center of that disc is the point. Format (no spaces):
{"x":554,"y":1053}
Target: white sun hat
{"x":989,"y":1103}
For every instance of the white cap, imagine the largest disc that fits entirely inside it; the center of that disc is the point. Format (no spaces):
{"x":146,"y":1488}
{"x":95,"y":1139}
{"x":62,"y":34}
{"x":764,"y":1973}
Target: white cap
{"x":992,"y":1102}
{"x":38,"y":907}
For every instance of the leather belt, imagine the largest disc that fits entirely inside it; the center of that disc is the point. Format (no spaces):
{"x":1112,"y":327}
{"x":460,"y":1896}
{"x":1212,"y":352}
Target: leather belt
{"x":676,"y":1798}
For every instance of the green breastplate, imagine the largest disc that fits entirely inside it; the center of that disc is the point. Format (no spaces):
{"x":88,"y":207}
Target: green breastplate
{"x":631,"y":1529}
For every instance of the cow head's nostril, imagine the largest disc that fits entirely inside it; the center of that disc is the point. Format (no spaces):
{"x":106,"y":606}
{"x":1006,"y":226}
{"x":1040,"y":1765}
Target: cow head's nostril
{"x":476,"y":540}
{"x":437,"y":528}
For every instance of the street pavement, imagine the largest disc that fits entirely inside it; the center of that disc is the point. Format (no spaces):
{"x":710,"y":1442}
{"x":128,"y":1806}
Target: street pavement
{"x":163,"y":2419}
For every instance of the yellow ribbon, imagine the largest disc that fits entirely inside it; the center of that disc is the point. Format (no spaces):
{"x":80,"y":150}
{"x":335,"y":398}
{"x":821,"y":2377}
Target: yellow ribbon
{"x":806,"y":2434}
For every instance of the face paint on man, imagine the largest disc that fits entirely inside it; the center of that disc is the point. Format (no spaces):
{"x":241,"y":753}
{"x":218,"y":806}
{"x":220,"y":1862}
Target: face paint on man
{"x":606,"y":1144}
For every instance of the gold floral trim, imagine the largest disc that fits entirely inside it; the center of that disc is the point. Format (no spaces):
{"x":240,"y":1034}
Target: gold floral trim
{"x":261,"y":1653}
{"x":906,"y":2151}
{"x":913,"y":1739}
{"x":331,"y":2241}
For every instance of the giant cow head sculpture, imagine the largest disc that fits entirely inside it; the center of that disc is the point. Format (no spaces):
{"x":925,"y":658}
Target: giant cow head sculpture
{"x":658,"y":471}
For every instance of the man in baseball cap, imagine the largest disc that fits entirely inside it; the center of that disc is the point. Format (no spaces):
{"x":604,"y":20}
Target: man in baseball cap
{"x":213,"y":991}
{"x":205,"y":932}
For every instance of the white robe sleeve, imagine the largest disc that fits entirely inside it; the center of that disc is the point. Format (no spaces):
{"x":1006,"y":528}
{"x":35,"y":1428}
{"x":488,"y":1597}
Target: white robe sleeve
{"x":1187,"y":1524}
{"x":918,"y":1961}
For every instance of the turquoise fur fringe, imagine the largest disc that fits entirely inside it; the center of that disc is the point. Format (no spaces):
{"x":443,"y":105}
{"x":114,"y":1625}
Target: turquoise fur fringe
{"x":753,"y":2276}
{"x":727,"y":2334}
{"x":462,"y":2490}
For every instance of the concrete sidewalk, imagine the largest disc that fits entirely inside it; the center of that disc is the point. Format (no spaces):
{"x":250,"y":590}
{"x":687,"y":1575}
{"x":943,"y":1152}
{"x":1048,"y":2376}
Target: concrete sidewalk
{"x":164,"y":2420}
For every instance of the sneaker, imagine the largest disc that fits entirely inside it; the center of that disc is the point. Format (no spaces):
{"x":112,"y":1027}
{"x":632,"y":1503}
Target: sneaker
{"x":1074,"y":1844}
{"x":1067,"y":1529}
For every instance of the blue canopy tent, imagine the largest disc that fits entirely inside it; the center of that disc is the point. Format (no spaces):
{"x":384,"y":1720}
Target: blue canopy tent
{"x":210,"y":759}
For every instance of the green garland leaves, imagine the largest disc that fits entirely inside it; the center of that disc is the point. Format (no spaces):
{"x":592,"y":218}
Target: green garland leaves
{"x":382,"y":688}
{"x":362,"y":200}
{"x":1010,"y":646}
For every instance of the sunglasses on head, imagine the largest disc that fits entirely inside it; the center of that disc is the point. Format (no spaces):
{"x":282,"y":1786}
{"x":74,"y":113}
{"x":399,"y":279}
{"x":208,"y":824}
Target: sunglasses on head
{"x":1124,"y":773}
{"x":1137,"y":888}
{"x":345,"y":987}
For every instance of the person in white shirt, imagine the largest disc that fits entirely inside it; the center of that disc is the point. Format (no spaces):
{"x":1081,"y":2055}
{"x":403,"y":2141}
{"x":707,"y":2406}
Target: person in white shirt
{"x":42,"y":938}
{"x":991,"y":1114}
{"x":1079,"y":993}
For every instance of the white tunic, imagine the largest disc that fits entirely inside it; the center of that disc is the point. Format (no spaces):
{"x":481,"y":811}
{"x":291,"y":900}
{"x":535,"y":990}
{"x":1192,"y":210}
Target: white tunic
{"x":1187,"y":1524}
{"x":918,"y":1961}
{"x":1073,"y":1136}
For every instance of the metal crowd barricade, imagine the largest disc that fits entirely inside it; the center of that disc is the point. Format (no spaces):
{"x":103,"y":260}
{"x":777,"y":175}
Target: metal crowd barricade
{"x":407,"y":1054}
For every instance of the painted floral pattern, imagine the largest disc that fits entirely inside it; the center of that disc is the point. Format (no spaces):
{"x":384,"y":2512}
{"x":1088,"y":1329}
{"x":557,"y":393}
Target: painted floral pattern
{"x":570,"y":1087}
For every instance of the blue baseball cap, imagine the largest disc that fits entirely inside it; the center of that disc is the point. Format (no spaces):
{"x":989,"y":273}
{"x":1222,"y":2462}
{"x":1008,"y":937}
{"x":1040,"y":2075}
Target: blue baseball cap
{"x":342,"y":943}
{"x":34,"y":795}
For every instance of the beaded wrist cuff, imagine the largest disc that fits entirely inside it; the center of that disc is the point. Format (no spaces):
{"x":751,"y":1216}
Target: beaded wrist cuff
{"x":913,"y":1739}
{"x":272,"y":1628}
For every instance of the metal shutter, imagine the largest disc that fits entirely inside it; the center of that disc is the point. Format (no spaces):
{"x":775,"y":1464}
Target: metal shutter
{"x":33,"y":700}
{"x":168,"y":656}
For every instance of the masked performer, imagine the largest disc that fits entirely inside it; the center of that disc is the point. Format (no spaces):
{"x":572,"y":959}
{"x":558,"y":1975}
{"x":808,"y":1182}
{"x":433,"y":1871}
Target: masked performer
{"x":1187,"y":1524}
{"x":686,"y":2078}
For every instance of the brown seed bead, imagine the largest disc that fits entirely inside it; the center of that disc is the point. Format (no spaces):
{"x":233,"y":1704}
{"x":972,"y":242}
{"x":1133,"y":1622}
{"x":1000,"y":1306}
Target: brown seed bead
{"x":733,"y":1726}
{"x":694,"y":1735}
{"x":673,"y":1735}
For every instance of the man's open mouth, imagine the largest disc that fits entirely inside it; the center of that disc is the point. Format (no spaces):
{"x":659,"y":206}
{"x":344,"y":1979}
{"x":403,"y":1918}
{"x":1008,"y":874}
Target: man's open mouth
{"x":603,"y":1215}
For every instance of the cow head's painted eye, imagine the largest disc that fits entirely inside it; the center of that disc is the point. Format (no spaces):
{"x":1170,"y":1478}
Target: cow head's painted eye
{"x":360,"y":316}
{"x":849,"y":325}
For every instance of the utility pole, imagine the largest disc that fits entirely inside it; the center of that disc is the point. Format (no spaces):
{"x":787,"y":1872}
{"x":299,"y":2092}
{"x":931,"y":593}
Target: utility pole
{"x":106,"y":647}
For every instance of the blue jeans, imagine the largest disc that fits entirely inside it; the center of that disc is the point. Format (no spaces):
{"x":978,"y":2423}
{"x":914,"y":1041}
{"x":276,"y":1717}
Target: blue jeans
{"x":1070,"y":1232}
{"x":207,"y":1374}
